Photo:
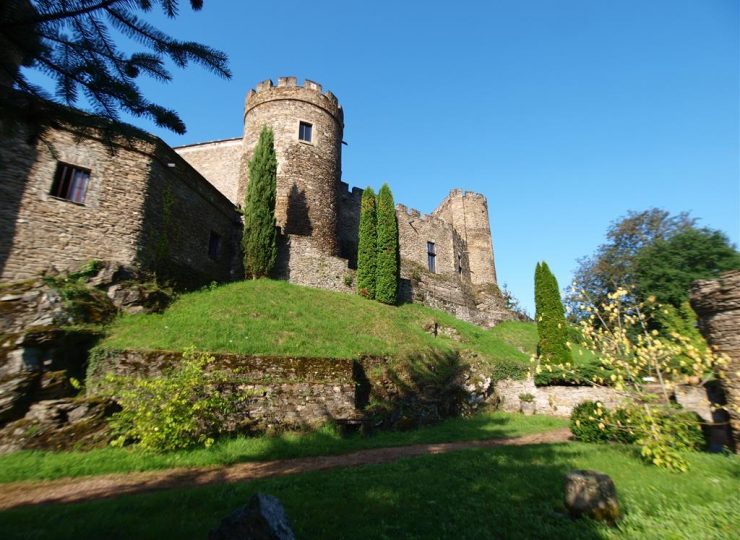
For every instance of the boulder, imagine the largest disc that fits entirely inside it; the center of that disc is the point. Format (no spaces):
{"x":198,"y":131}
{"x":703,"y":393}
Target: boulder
{"x":591,"y":494}
{"x":263,"y":518}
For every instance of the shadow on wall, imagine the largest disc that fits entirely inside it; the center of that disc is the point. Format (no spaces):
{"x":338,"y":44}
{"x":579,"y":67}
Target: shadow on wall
{"x":298,"y":221}
{"x":17,"y":157}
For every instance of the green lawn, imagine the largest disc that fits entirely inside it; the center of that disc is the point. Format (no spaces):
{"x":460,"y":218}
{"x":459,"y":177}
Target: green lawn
{"x":277,"y":318}
{"x":503,"y":493}
{"x":36,"y":465}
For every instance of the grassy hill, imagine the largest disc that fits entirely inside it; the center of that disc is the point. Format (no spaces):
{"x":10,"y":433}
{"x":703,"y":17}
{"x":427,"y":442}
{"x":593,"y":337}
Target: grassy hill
{"x":276,"y":318}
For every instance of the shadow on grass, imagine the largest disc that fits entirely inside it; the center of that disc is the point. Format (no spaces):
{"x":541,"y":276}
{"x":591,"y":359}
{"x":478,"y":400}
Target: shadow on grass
{"x":507,"y":492}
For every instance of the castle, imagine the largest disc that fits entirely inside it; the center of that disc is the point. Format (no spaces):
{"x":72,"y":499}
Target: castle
{"x":177,"y":210}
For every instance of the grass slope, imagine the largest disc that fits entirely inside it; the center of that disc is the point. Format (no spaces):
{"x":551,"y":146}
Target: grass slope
{"x":503,"y":493}
{"x":276,"y":318}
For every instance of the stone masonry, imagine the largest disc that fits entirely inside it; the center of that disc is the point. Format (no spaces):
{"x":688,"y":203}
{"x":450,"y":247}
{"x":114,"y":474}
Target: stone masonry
{"x":176,"y":211}
{"x":717,"y":304}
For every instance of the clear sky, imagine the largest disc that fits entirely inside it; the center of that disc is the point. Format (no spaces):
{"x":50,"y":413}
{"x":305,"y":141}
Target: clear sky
{"x":565,"y":114}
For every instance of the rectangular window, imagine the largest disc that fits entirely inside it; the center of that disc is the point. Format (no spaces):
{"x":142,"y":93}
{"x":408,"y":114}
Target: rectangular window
{"x":214,"y":246}
{"x":430,"y":256}
{"x":304,"y":131}
{"x":70,"y":183}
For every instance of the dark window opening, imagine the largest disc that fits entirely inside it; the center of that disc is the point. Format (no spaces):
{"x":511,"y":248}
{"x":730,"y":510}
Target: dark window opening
{"x":214,"y":246}
{"x":304,"y":131}
{"x":70,"y":183}
{"x":431,"y":256}
{"x":459,"y":264}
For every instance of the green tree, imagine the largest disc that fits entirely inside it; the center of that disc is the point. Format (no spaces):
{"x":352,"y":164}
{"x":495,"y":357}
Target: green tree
{"x":613,"y":265}
{"x":666,"y":268}
{"x":260,"y":237}
{"x":550,"y":316}
{"x":387,"y":269}
{"x":71,"y":41}
{"x":367,"y":249}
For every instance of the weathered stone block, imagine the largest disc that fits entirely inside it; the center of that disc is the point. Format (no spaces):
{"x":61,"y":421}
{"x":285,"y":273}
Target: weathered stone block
{"x":591,"y":494}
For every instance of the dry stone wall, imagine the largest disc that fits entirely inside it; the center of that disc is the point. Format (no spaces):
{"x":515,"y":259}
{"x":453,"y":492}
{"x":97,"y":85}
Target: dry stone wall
{"x":717,"y":304}
{"x":301,"y":262}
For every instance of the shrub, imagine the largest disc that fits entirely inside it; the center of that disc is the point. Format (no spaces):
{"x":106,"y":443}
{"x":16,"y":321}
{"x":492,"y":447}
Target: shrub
{"x":260,"y":237}
{"x":183,"y":407}
{"x":388,"y":260}
{"x":550,"y":316}
{"x":367,"y":245}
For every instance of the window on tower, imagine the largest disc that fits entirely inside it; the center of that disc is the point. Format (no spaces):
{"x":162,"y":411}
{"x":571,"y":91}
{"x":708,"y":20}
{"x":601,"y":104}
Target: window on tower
{"x":431,"y":256}
{"x":304,"y":131}
{"x":70,"y":183}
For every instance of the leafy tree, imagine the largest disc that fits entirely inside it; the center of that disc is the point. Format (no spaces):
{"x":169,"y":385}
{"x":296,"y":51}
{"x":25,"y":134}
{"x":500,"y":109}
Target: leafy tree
{"x":550,"y":316}
{"x":666,"y":268}
{"x":260,"y":237}
{"x":613,"y":265}
{"x":367,"y":250}
{"x":388,"y":260}
{"x":72,"y":42}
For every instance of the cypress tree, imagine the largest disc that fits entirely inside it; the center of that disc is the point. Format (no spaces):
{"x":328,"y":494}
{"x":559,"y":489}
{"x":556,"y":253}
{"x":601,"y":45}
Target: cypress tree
{"x":368,"y":245}
{"x":550,"y":316}
{"x":260,"y":237}
{"x":387,"y":269}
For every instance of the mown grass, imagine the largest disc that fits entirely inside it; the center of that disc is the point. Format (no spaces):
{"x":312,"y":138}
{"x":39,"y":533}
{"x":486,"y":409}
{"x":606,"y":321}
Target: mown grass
{"x":37,"y":465}
{"x":277,"y":318}
{"x":503,"y":493}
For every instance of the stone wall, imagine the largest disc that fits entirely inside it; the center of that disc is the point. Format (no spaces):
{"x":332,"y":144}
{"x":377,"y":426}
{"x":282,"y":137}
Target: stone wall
{"x":181,"y":213}
{"x":416,"y":229}
{"x":124,"y":216}
{"x":349,"y":222}
{"x":717,"y":304}
{"x":218,"y":162}
{"x":301,"y":262}
{"x":308,"y":172}
{"x":38,"y":230}
{"x":284,"y":392}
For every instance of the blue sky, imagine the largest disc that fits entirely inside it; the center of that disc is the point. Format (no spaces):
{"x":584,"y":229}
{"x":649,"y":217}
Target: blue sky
{"x":565,"y":114}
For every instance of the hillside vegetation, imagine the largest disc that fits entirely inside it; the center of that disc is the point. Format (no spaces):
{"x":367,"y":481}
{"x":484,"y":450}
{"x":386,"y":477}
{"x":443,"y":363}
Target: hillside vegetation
{"x":266,"y":317}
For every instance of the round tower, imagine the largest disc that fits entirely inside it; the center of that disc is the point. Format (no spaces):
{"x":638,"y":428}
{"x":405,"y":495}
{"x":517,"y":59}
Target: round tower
{"x":308,"y":126}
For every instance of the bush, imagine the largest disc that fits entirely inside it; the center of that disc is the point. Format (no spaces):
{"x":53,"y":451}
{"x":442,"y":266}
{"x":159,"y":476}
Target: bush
{"x":677,"y":430}
{"x":550,"y":317}
{"x":367,"y":249}
{"x":388,"y":261}
{"x":185,"y":406}
{"x":582,"y":375}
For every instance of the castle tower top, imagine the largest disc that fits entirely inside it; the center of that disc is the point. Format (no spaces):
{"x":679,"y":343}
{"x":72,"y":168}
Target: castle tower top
{"x":288,"y":89}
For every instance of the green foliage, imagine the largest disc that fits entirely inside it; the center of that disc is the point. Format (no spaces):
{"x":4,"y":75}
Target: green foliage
{"x":185,"y":406}
{"x":367,"y":249}
{"x":576,"y":375}
{"x":74,"y":43}
{"x":260,"y":236}
{"x":663,"y":433}
{"x":666,"y":268}
{"x":550,"y":315}
{"x":388,"y":260}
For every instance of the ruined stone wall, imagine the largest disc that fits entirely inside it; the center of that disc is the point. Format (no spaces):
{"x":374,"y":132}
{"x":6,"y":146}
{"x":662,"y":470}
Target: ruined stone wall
{"x":301,"y":262}
{"x":218,"y":162}
{"x":38,"y":230}
{"x":308,"y":173}
{"x":467,"y":212}
{"x":416,"y":229}
{"x":181,"y":212}
{"x":717,"y":304}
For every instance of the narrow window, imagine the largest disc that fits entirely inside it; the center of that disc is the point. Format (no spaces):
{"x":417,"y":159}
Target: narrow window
{"x":70,"y":183}
{"x":304,"y":131}
{"x":430,"y":256}
{"x":459,"y":264}
{"x":214,"y":246}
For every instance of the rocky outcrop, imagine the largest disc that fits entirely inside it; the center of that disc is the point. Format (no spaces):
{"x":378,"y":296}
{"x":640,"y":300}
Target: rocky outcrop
{"x":717,"y":305}
{"x":263,"y":517}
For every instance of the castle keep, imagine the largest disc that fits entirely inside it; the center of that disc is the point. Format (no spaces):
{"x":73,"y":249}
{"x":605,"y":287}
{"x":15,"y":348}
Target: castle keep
{"x":177,"y":210}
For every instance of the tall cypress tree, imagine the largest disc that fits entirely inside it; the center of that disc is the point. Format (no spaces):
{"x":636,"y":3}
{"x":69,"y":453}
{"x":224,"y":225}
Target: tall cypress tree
{"x":550,"y":315}
{"x":368,"y":245}
{"x":260,"y":237}
{"x":387,"y":269}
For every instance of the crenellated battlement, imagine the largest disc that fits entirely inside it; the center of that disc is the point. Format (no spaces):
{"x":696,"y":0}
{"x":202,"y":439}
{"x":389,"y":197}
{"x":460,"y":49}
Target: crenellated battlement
{"x":416,"y":215}
{"x":288,"y":89}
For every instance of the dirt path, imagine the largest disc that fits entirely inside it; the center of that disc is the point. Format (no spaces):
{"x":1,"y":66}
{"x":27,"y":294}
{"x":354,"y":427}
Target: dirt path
{"x":69,"y":490}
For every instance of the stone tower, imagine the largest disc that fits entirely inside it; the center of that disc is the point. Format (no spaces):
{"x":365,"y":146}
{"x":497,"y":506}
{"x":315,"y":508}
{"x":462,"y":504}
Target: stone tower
{"x":308,"y":126}
{"x":467,"y":212}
